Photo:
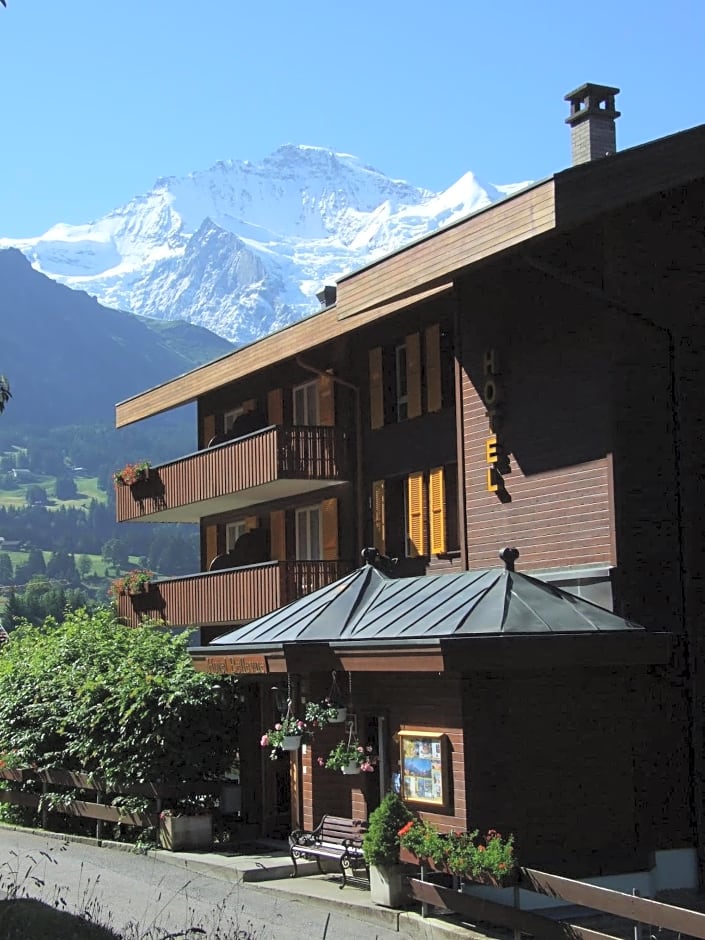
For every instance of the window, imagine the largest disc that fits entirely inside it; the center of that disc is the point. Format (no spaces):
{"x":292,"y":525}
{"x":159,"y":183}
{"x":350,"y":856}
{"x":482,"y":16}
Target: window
{"x":402,"y":385}
{"x":306,"y":403}
{"x":230,"y":417}
{"x":233,"y":531}
{"x":308,"y":534}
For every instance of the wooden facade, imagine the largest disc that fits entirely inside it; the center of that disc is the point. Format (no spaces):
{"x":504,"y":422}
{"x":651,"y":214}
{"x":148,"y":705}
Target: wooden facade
{"x":531,"y":376}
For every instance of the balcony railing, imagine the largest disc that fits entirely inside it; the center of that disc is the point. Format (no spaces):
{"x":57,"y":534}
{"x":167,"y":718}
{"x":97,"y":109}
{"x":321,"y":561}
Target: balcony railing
{"x":274,"y":462}
{"x":236,"y":595}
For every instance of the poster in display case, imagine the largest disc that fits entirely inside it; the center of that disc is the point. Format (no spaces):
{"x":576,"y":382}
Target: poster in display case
{"x":423,"y":767}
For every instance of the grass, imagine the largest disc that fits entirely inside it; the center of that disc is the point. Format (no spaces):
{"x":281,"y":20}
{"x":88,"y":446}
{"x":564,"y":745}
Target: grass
{"x":87,"y":487}
{"x":27,"y":918}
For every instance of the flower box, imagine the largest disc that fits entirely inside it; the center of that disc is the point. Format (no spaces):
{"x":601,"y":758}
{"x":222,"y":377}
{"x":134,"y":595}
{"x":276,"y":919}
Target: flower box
{"x":184,"y":833}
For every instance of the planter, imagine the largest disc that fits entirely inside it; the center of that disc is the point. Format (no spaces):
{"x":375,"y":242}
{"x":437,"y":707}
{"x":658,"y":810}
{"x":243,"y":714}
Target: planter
{"x":388,"y":885}
{"x":340,"y":717}
{"x":483,"y":878}
{"x":352,"y":768}
{"x":291,"y":742}
{"x":183,"y":833}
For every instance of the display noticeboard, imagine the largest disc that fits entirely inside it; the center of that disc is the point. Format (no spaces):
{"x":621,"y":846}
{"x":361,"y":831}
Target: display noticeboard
{"x":424,"y":767}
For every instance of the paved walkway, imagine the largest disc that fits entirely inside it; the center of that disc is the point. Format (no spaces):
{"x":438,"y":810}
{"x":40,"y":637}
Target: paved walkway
{"x":268,"y":864}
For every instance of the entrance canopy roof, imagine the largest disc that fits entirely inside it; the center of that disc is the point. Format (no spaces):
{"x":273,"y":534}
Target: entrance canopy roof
{"x":367,"y":605}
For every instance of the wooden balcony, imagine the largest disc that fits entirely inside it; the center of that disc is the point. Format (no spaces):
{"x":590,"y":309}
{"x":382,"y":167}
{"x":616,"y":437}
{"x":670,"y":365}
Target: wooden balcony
{"x":273,"y":463}
{"x":223,"y":598}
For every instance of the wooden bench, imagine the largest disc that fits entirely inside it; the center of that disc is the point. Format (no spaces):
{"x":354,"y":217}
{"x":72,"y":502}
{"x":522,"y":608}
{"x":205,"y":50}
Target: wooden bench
{"x":335,"y":838}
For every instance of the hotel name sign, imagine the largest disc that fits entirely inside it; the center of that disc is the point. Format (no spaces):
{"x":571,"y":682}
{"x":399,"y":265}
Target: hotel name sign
{"x":495,"y":457}
{"x":235,"y":665}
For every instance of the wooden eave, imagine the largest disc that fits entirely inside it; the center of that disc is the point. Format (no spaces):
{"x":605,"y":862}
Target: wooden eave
{"x":458,"y":655}
{"x":432,"y":264}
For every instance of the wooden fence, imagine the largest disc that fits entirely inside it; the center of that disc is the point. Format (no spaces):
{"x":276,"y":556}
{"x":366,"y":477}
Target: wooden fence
{"x":640,"y":911}
{"x":57,"y":782}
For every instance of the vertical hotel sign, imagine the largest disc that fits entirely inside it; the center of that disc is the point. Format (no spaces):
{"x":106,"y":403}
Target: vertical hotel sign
{"x":497,"y":463}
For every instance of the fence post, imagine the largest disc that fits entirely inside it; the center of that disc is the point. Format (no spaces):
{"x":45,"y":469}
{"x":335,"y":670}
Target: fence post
{"x":45,"y":811}
{"x":99,"y":822}
{"x":517,"y":904}
{"x":637,"y":926}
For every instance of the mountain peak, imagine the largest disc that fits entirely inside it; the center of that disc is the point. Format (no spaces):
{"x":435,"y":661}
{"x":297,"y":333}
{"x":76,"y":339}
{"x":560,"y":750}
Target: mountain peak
{"x":242,"y":247}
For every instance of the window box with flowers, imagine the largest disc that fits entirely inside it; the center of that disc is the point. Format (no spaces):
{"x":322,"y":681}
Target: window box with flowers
{"x":286,"y":735}
{"x":486,"y":860}
{"x":350,"y":757}
{"x":138,"y":581}
{"x":132,"y":473}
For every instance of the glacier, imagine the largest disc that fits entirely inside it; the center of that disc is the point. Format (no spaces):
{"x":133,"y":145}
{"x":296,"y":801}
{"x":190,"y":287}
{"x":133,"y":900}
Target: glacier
{"x":243,"y":247}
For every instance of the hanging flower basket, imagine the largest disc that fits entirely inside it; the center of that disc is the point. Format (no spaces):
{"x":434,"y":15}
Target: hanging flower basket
{"x":291,"y":742}
{"x":341,"y":715}
{"x":286,"y":735}
{"x":350,"y":756}
{"x":352,"y":768}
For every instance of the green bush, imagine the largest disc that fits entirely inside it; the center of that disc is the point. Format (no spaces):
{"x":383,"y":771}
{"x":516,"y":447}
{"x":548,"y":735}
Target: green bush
{"x":92,"y":695}
{"x":381,"y":842}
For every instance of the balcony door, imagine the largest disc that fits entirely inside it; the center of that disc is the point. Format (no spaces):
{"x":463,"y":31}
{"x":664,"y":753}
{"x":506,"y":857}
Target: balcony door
{"x":306,"y":404}
{"x":308,"y":534}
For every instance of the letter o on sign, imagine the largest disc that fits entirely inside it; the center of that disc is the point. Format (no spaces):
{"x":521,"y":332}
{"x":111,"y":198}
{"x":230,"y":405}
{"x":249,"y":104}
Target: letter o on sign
{"x":491,"y":392}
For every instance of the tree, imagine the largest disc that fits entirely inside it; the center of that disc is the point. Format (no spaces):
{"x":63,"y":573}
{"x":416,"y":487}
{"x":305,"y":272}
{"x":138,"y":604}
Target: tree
{"x":7,"y":573}
{"x":36,"y":495}
{"x":84,"y":565}
{"x":5,"y":394}
{"x":65,"y":488}
{"x":94,"y":695}
{"x":115,"y":552}
{"x":35,"y":565}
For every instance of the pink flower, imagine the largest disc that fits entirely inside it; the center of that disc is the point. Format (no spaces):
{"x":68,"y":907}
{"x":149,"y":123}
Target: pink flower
{"x":321,"y":762}
{"x":360,"y":750}
{"x":369,"y":748}
{"x":299,"y":725}
{"x":264,"y":740}
{"x":367,"y":767}
{"x":278,"y":727}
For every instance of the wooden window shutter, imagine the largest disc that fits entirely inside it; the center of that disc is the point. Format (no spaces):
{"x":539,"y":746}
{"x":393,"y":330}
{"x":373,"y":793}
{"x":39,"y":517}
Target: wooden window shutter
{"x":250,"y":523}
{"x":434,"y":389}
{"x":376,"y":388}
{"x":378,"y":517}
{"x":329,"y":527}
{"x":277,"y":529}
{"x":207,"y":429}
{"x":437,"y":511}
{"x":416,"y":521}
{"x":413,"y":375}
{"x":275,"y":406}
{"x":211,"y":544}
{"x":326,"y":400}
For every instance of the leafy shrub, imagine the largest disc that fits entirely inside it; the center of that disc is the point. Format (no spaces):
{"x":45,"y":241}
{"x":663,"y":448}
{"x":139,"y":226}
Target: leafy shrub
{"x":381,"y":843}
{"x":93,"y":695}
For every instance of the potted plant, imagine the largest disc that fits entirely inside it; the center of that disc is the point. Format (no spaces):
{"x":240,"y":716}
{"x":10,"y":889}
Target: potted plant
{"x":421,"y":843}
{"x":350,"y":757}
{"x":134,"y":582}
{"x":184,"y":828}
{"x":286,"y":735}
{"x":380,"y":847}
{"x":132,"y":473}
{"x":325,"y":712}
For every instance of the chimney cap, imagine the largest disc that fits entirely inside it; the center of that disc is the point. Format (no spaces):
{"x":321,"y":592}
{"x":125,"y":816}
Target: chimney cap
{"x":591,"y":100}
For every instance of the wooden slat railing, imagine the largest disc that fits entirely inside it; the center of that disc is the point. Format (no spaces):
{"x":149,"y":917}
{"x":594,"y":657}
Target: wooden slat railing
{"x":274,"y":453}
{"x":235,"y":595}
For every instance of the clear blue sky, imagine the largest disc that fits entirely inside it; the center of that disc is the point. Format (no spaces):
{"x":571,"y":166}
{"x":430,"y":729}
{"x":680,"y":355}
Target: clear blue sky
{"x":101,"y":98}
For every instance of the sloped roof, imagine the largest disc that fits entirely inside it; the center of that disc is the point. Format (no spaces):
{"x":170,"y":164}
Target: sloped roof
{"x":368,"y":606}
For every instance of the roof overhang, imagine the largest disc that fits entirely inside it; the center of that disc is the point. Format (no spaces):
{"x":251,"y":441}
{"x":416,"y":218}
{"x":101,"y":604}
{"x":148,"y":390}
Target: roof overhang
{"x":464,"y":655}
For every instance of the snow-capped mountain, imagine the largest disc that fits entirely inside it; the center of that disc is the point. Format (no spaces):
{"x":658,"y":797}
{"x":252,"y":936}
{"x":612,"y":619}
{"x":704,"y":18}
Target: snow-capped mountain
{"x":242,"y":248}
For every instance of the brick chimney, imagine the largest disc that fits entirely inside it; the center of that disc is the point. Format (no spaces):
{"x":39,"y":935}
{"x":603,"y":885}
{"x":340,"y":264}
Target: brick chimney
{"x":592,"y":117}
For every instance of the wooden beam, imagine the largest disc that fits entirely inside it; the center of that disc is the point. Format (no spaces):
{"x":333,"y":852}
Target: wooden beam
{"x":481,"y":910}
{"x":640,"y":910}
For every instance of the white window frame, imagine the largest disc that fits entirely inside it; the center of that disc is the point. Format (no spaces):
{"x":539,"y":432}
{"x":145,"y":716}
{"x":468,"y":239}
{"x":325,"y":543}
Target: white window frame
{"x":233,"y":531}
{"x":230,"y":416}
{"x":305,"y":403}
{"x":306,"y":512}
